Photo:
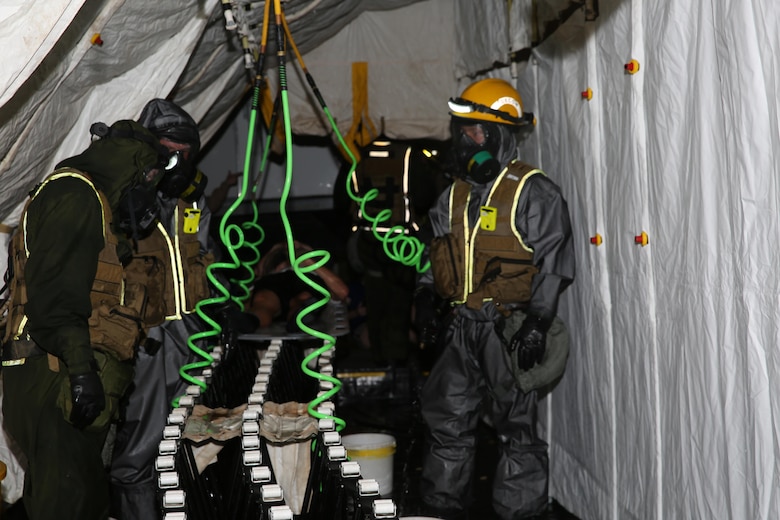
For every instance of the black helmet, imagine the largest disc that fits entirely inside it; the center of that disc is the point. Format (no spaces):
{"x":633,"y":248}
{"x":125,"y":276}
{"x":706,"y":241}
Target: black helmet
{"x":167,"y":119}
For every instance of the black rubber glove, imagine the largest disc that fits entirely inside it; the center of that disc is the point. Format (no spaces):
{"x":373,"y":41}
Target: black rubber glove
{"x":86,"y":393}
{"x":530,"y":341}
{"x":426,"y":315}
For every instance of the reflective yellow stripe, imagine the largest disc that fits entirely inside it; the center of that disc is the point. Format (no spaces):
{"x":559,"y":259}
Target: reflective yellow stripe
{"x":355,"y":187}
{"x":381,"y":229}
{"x":512,"y":221}
{"x":175,"y":272}
{"x":468,"y":254}
{"x":19,"y":331}
{"x":178,"y":263}
{"x":407,"y":211}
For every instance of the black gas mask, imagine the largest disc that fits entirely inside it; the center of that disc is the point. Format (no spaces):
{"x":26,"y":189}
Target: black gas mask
{"x":138,"y":210}
{"x":182,"y":180}
{"x":139,"y":207}
{"x":475,"y":145}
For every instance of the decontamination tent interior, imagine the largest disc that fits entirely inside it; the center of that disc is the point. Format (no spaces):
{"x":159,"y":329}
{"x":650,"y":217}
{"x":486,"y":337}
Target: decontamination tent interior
{"x":669,"y":408}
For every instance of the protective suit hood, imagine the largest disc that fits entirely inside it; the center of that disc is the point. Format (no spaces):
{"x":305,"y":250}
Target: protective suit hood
{"x":507,"y":150}
{"x":115,"y":163}
{"x":167,"y":120}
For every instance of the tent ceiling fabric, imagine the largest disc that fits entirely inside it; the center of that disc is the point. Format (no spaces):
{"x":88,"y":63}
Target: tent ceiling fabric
{"x":48,"y":117}
{"x":36,"y":35}
{"x":57,"y":82}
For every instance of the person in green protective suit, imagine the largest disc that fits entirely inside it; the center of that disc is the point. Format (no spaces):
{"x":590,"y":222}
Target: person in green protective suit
{"x":70,"y":344}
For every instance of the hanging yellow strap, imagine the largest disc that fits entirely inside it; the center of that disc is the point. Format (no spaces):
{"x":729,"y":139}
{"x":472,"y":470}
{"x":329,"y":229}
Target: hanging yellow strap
{"x":363,"y":131}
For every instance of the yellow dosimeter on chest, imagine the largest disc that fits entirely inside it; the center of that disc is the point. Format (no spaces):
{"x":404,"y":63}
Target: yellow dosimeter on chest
{"x":487,"y":218}
{"x":191,"y":220}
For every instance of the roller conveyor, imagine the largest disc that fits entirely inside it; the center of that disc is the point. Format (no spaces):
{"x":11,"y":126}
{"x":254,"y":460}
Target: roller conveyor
{"x":240,"y":480}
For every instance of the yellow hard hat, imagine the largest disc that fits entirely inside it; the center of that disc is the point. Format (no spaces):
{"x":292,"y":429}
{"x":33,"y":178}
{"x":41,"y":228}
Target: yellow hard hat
{"x":491,"y":99}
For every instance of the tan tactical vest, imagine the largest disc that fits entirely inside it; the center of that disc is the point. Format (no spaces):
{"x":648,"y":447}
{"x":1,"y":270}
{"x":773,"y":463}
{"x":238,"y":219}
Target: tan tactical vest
{"x":384,"y":166}
{"x":115,"y":324}
{"x":489,"y":262}
{"x":173,"y":269}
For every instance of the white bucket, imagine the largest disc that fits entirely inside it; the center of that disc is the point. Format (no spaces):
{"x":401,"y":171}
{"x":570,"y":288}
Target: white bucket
{"x":374,"y":452}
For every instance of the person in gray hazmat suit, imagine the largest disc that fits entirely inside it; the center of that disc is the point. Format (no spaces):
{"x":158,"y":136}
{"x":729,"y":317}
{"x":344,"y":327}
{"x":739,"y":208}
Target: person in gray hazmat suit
{"x":501,"y":256}
{"x":175,"y":256}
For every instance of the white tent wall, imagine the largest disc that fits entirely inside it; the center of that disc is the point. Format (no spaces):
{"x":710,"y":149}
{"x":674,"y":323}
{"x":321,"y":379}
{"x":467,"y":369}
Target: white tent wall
{"x":669,"y":407}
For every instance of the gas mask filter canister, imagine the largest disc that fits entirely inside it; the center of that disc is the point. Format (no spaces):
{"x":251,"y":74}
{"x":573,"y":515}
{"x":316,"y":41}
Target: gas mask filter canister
{"x":482,"y":167}
{"x":138,"y":210}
